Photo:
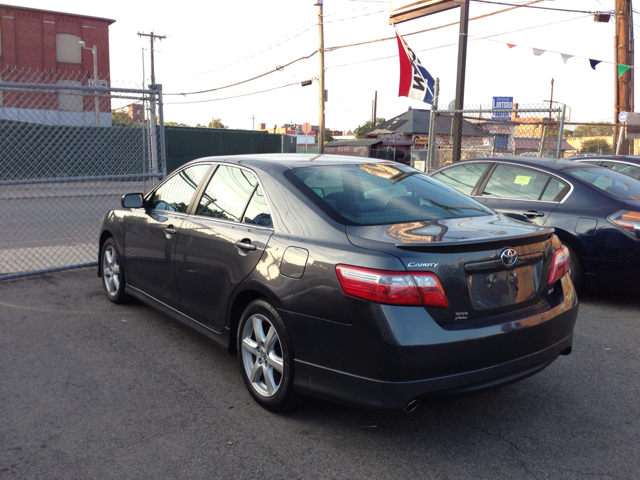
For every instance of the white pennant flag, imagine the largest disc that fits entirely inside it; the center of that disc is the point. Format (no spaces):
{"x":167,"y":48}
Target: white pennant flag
{"x":565,"y":57}
{"x":538,"y":51}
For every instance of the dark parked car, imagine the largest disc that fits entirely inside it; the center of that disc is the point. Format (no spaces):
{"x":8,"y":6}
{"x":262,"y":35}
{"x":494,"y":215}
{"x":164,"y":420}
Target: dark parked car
{"x":594,"y":211}
{"x":369,"y":284}
{"x":618,"y":163}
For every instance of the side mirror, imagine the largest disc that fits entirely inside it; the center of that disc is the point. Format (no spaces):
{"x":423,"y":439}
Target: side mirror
{"x":132,"y":200}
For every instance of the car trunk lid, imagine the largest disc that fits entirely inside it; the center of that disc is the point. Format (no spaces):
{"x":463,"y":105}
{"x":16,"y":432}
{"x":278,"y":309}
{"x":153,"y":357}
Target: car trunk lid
{"x":488,"y":265}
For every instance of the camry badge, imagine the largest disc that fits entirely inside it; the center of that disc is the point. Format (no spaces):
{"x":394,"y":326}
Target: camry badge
{"x":509,"y":257}
{"x":422,"y":265}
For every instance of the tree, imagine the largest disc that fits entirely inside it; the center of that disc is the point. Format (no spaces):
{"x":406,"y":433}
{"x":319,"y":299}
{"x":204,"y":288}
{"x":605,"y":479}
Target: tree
{"x":175,"y":124}
{"x":366,"y":126}
{"x":327,"y":138}
{"x":596,"y":145}
{"x":593,"y":130}
{"x":120,"y":118}
{"x":216,"y":123}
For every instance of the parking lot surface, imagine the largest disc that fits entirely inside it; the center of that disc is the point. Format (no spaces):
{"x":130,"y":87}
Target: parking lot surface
{"x":89,"y":389}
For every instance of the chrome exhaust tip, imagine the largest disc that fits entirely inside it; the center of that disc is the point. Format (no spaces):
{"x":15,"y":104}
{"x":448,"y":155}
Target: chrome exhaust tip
{"x":412,"y":405}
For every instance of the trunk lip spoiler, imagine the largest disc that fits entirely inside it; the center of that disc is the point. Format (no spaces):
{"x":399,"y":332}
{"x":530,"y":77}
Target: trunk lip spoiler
{"x":479,"y":241}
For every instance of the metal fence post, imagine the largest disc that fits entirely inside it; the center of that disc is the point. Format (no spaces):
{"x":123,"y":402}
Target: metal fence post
{"x":163,"y":146}
{"x":154,"y":138}
{"x":432,"y":126}
{"x":560,"y":131}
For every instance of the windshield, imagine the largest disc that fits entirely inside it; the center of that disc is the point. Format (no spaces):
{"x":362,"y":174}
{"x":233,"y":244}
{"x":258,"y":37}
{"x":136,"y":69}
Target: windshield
{"x":380,"y":193}
{"x":613,"y":183}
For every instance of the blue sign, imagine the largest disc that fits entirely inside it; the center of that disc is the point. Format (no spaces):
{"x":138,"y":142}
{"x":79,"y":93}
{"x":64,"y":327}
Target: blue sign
{"x":501,"y":103}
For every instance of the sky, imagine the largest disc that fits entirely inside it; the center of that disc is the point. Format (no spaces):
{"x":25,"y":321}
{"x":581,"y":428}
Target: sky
{"x":217,"y":43}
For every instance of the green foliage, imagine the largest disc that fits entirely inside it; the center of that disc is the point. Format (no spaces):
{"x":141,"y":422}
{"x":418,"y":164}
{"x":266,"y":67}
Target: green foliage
{"x":596,"y":145}
{"x":216,"y":123}
{"x":593,"y":130}
{"x":327,"y":138}
{"x":120,"y":118}
{"x":175,"y":124}
{"x":358,"y":132}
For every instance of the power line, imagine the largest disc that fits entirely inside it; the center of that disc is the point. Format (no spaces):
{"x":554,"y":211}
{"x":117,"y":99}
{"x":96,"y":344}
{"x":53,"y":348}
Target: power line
{"x":235,"y":96}
{"x":431,"y":29}
{"x":540,"y":8}
{"x":279,"y":68}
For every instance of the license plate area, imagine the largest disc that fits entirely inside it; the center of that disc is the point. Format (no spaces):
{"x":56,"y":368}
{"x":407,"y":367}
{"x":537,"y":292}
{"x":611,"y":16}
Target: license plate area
{"x":503,"y":288}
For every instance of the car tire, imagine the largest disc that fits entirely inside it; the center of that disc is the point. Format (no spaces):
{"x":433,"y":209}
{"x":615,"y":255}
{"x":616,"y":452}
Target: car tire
{"x":576,"y":272}
{"x":265,"y":355}
{"x":113,"y":277}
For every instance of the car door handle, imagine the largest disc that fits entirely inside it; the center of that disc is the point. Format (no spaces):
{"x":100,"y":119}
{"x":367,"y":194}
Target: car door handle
{"x":246,"y":245}
{"x":170,"y":230}
{"x":533,"y":214}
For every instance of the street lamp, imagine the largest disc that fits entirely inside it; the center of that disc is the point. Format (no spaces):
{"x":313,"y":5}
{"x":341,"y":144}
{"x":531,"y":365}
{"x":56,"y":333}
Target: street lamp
{"x":94,"y":50}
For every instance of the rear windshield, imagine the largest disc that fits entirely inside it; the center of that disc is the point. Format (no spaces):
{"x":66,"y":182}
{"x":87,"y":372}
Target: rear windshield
{"x":613,"y":183}
{"x":378,"y":193}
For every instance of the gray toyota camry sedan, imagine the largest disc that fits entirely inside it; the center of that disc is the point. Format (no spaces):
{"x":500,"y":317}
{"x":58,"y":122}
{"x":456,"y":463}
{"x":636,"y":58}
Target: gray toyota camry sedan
{"x":359,"y":281}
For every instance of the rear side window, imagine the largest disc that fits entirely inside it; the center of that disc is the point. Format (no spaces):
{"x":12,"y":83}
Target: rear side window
{"x":508,"y":181}
{"x":462,"y":177}
{"x":616,"y":184}
{"x":380,"y":193}
{"x":257,"y":212}
{"x":556,"y":190}
{"x":175,"y":194}
{"x":631,"y":170}
{"x":227,"y":194}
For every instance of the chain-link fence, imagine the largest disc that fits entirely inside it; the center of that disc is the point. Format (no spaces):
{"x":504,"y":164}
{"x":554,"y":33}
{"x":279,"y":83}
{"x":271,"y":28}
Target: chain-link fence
{"x":531,"y":130}
{"x":601,"y":139}
{"x":69,"y":147}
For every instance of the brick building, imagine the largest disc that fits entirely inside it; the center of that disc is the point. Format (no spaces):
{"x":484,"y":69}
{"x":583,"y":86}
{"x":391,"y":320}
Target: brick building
{"x":41,"y":46}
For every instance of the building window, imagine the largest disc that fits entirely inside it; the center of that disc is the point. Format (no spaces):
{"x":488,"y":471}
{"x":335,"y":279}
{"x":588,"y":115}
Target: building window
{"x":70,"y":100}
{"x":68,"y":48}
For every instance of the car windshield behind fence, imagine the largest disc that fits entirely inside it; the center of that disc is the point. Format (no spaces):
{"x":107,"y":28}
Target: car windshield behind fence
{"x":615,"y":184}
{"x":375,"y":194}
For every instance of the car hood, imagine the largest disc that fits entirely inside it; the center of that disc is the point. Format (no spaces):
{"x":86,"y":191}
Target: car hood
{"x":445,"y":233}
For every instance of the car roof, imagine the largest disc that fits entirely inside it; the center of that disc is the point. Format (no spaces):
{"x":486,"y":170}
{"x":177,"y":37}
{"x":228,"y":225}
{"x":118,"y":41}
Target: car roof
{"x":550,"y":164}
{"x":293,"y":160}
{"x":622,"y":158}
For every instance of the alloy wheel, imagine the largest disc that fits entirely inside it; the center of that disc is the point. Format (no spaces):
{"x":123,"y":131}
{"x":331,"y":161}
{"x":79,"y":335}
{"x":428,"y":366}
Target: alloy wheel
{"x":262,"y":355}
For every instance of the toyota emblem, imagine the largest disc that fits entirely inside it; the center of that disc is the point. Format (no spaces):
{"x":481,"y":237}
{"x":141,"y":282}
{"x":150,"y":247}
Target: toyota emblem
{"x":509,"y":257}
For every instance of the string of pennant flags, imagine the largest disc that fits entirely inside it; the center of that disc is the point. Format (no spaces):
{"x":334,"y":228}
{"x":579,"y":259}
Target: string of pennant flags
{"x":565,"y":57}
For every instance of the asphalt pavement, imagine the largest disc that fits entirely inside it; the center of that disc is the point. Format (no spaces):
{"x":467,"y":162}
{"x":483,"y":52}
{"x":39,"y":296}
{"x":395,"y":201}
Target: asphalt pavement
{"x":89,"y":389}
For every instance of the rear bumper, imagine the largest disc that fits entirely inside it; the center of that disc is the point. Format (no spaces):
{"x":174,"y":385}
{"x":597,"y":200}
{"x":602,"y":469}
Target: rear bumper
{"x":392,"y":355}
{"x":369,"y":393}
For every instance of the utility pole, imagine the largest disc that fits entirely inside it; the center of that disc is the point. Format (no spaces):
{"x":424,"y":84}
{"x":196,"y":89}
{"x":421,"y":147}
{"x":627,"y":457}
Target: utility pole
{"x":456,"y":152}
{"x":253,"y":122}
{"x":623,"y":101}
{"x":151,"y":37}
{"x":321,"y":55}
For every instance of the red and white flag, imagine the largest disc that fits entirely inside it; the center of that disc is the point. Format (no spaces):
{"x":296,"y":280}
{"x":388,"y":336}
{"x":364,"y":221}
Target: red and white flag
{"x":415,"y":81}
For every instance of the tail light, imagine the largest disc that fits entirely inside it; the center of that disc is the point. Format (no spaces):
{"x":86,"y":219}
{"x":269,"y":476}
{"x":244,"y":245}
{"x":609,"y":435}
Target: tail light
{"x":392,"y":288}
{"x":628,"y":221}
{"x":560,"y":264}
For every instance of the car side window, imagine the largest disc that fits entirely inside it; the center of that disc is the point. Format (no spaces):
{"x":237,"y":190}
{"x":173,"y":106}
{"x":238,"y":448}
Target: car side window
{"x":463,"y":177}
{"x":508,"y":181}
{"x":227,"y":194}
{"x":631,"y":170}
{"x":257,"y":212}
{"x":556,"y":190}
{"x":175,"y":194}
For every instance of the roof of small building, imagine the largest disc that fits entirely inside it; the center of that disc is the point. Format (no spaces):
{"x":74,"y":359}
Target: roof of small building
{"x":415,"y":121}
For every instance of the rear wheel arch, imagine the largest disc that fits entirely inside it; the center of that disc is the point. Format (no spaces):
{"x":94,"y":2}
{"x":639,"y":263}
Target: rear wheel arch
{"x":238,"y":305}
{"x":576,"y":252}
